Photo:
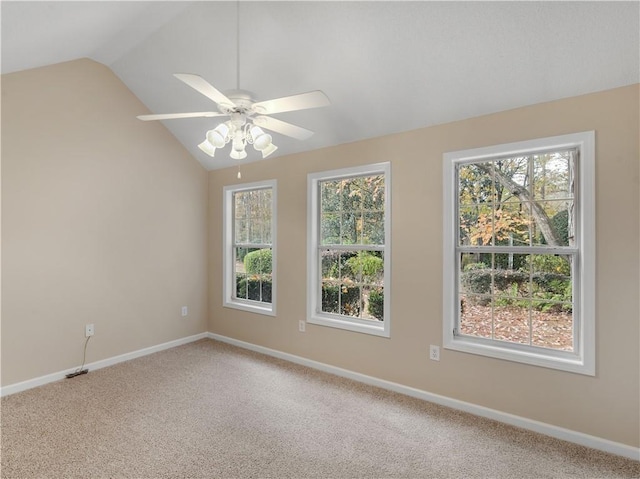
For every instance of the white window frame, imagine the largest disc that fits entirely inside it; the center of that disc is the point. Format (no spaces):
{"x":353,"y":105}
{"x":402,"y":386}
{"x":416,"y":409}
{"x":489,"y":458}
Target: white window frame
{"x":228,"y":255}
{"x":314,"y":313}
{"x":583,"y":359}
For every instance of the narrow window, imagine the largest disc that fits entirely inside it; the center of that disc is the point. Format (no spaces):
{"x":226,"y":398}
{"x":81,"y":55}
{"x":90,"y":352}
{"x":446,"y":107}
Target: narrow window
{"x":519,"y":252}
{"x":349,"y":249}
{"x":249,"y":247}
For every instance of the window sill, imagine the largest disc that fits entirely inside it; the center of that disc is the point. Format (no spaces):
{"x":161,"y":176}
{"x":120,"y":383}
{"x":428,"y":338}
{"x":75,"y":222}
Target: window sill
{"x":377,"y":328}
{"x":563,"y":362}
{"x":251,"y":308}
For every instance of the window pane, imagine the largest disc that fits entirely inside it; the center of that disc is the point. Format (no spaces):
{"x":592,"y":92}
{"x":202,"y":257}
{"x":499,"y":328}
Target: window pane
{"x":553,"y":223}
{"x":515,"y":170}
{"x":476,"y":225}
{"x":476,"y":276}
{"x":373,"y":193}
{"x":254,"y":203}
{"x":242,"y":232}
{"x":330,"y":261}
{"x":511,"y":223}
{"x":511,"y":275}
{"x":551,"y":275}
{"x":265,"y":288}
{"x":475,"y":184}
{"x":350,"y":300}
{"x":349,"y":228}
{"x":373,"y":228}
{"x":255,"y":231}
{"x":352,"y":191}
{"x":239,"y":201}
{"x":330,"y":195}
{"x":552,"y":291}
{"x":330,"y":297}
{"x":552,"y":325}
{"x":241,"y":286}
{"x":373,"y":299}
{"x":266,"y":232}
{"x":552,"y":176}
{"x":240,"y":254}
{"x":475,"y":315}
{"x":330,"y":228}
{"x":511,"y":320}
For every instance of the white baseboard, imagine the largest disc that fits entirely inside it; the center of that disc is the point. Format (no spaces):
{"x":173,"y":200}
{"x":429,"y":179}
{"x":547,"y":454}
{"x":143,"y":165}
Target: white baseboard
{"x":518,"y":421}
{"x":49,"y":378}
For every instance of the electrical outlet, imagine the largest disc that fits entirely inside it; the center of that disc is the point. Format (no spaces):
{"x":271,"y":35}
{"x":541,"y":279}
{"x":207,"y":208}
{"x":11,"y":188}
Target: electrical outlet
{"x":89,"y":330}
{"x":301,"y":326}
{"x":184,"y":311}
{"x":434,"y":353}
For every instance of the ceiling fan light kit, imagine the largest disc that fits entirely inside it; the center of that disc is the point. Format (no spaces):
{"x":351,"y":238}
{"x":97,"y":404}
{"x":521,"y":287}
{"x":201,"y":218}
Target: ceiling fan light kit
{"x":247,"y":118}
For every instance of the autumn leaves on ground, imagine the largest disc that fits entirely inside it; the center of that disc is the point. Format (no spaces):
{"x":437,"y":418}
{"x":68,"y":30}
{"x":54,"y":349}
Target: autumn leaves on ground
{"x":511,"y":323}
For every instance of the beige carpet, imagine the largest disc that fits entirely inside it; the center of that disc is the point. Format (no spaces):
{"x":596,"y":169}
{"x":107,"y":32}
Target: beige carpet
{"x":209,"y":410}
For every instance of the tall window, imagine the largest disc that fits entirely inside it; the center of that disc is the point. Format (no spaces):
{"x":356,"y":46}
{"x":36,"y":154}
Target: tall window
{"x":349,"y":249}
{"x":249,"y":253}
{"x":519,"y":252}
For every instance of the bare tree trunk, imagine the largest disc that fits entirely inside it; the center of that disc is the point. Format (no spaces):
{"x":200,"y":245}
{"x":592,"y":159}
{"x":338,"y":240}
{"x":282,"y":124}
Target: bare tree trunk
{"x":539,"y":214}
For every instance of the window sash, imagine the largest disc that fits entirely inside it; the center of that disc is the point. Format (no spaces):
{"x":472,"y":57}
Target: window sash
{"x":316,"y":247}
{"x":581,"y":176}
{"x":267,"y":214}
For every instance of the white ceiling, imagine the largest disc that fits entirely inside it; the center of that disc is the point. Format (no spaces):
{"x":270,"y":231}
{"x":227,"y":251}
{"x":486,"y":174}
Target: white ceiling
{"x":386,"y":66}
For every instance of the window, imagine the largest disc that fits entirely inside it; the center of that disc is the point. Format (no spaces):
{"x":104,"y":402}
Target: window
{"x":249,"y":255}
{"x":349,"y":249}
{"x":519,"y":252}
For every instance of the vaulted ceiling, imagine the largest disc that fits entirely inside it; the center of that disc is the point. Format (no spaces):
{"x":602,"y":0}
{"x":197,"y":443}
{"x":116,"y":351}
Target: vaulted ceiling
{"x":386,"y":66}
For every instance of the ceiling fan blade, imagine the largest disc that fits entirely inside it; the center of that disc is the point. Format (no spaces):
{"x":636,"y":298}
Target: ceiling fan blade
{"x":282,"y":127}
{"x":203,"y":86}
{"x":312,"y":99}
{"x":171,"y":116}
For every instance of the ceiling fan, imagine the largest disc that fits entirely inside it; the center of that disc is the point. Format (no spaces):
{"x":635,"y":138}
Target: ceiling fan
{"x":248,"y":117}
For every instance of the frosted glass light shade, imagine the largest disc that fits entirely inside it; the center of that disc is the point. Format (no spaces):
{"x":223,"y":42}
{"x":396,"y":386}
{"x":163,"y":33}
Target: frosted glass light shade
{"x":261,"y":140}
{"x":207,"y":147}
{"x":268,"y":150}
{"x":217,"y":136}
{"x":238,"y":155}
{"x":238,"y":144}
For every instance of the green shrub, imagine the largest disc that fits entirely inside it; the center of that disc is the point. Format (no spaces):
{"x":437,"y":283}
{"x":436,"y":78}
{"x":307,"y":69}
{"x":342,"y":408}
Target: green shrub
{"x":258,"y":262}
{"x":255,"y":288}
{"x":477,"y":281}
{"x":549,"y":264}
{"x":376,"y":303}
{"x":473,"y":266}
{"x":370,"y":264}
{"x":549,"y":286}
{"x":341,"y":299}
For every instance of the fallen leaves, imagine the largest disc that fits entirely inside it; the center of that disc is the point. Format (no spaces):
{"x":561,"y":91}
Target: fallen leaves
{"x":552,"y":330}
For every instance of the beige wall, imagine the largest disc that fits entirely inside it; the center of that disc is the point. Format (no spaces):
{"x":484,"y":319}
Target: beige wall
{"x":606,"y":405}
{"x":103,"y":221}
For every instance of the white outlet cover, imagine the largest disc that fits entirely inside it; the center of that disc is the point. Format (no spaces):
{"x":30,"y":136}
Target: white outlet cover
{"x":184,"y":311}
{"x":434,"y":352}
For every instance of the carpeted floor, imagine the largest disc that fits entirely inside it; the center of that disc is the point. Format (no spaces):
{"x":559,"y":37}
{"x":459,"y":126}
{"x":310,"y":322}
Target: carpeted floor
{"x":210,"y":410}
